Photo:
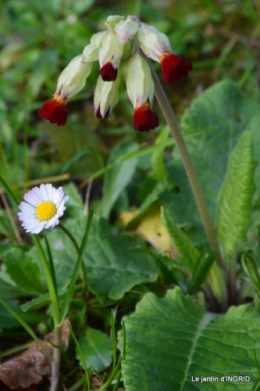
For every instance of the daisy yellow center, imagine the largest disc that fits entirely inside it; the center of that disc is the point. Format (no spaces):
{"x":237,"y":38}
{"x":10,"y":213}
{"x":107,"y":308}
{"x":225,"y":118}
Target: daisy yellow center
{"x":46,"y":210}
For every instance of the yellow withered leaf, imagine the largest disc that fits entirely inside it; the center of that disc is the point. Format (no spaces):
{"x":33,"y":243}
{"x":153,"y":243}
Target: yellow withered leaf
{"x":149,"y":226}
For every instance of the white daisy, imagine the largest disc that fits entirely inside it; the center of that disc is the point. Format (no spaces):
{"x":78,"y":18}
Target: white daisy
{"x":42,"y":208}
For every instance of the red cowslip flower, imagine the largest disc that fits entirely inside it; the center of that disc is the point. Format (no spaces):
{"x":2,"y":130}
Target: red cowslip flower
{"x":108,"y":72}
{"x":145,"y":118}
{"x":174,"y":68}
{"x":54,"y":110}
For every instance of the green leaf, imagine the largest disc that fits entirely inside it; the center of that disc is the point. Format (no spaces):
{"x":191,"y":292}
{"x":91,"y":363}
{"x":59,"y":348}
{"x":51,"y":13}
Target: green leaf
{"x":96,"y":348}
{"x":8,"y":321}
{"x":235,"y":197}
{"x":158,"y":156}
{"x":37,"y":302}
{"x":203,"y":266}
{"x":213,"y":278}
{"x":24,"y":272}
{"x":212,"y":127}
{"x":171,"y":341}
{"x":179,"y":201}
{"x":8,"y":291}
{"x":6,"y":228}
{"x":64,"y":257}
{"x":114,"y":264}
{"x":180,"y":240}
{"x":117,"y":178}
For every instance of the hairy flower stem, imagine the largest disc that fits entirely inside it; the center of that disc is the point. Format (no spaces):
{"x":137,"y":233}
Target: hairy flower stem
{"x":190,"y":170}
{"x":55,"y":365}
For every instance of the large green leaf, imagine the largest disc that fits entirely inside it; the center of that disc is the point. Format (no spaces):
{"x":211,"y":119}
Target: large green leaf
{"x":117,"y":178}
{"x":235,"y":197}
{"x":24,"y":272}
{"x":171,"y":341}
{"x":114,"y":264}
{"x":96,"y":348}
{"x":179,"y":201}
{"x":212,"y":127}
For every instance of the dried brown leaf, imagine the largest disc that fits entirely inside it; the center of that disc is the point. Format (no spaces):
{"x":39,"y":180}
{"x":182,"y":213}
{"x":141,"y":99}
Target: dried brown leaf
{"x":30,"y":367}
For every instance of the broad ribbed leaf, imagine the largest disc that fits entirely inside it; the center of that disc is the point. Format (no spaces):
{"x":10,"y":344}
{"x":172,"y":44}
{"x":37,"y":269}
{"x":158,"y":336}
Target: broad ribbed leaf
{"x":212,"y":126}
{"x":113,"y":264}
{"x":235,"y":197}
{"x":116,"y":264}
{"x":171,"y":341}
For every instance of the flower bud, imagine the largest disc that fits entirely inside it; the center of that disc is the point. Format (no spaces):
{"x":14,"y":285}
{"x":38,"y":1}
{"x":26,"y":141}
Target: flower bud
{"x":105,"y":97}
{"x":113,"y":20}
{"x":157,"y":47}
{"x":152,"y":42}
{"x":139,"y":82}
{"x":127,"y":29}
{"x":72,"y":79}
{"x":90,"y":53}
{"x":96,"y":39}
{"x":140,"y":89}
{"x":110,"y":54}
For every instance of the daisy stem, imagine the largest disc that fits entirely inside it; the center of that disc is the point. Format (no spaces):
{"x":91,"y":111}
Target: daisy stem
{"x":75,"y":244}
{"x":55,"y":365}
{"x":189,"y":167}
{"x":50,"y":282}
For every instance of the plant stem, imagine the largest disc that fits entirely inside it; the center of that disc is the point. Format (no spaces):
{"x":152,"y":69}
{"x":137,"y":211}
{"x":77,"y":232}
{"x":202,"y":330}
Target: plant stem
{"x":76,"y":269}
{"x":51,"y":287}
{"x":75,"y":244}
{"x":190,"y":170}
{"x":55,"y":365}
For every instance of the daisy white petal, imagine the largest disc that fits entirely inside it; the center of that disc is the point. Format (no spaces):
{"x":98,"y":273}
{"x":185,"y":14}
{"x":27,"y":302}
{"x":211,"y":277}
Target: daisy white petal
{"x":32,"y":197}
{"x":42,"y":207}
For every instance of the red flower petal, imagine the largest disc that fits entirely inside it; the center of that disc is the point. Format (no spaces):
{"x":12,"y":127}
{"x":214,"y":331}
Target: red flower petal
{"x":108,"y":72}
{"x":174,"y":68}
{"x":145,"y":118}
{"x":55,"y":111}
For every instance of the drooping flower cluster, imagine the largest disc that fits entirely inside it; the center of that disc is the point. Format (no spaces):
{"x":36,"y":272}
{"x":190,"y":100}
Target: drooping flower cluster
{"x":129,"y":40}
{"x":42,"y":207}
